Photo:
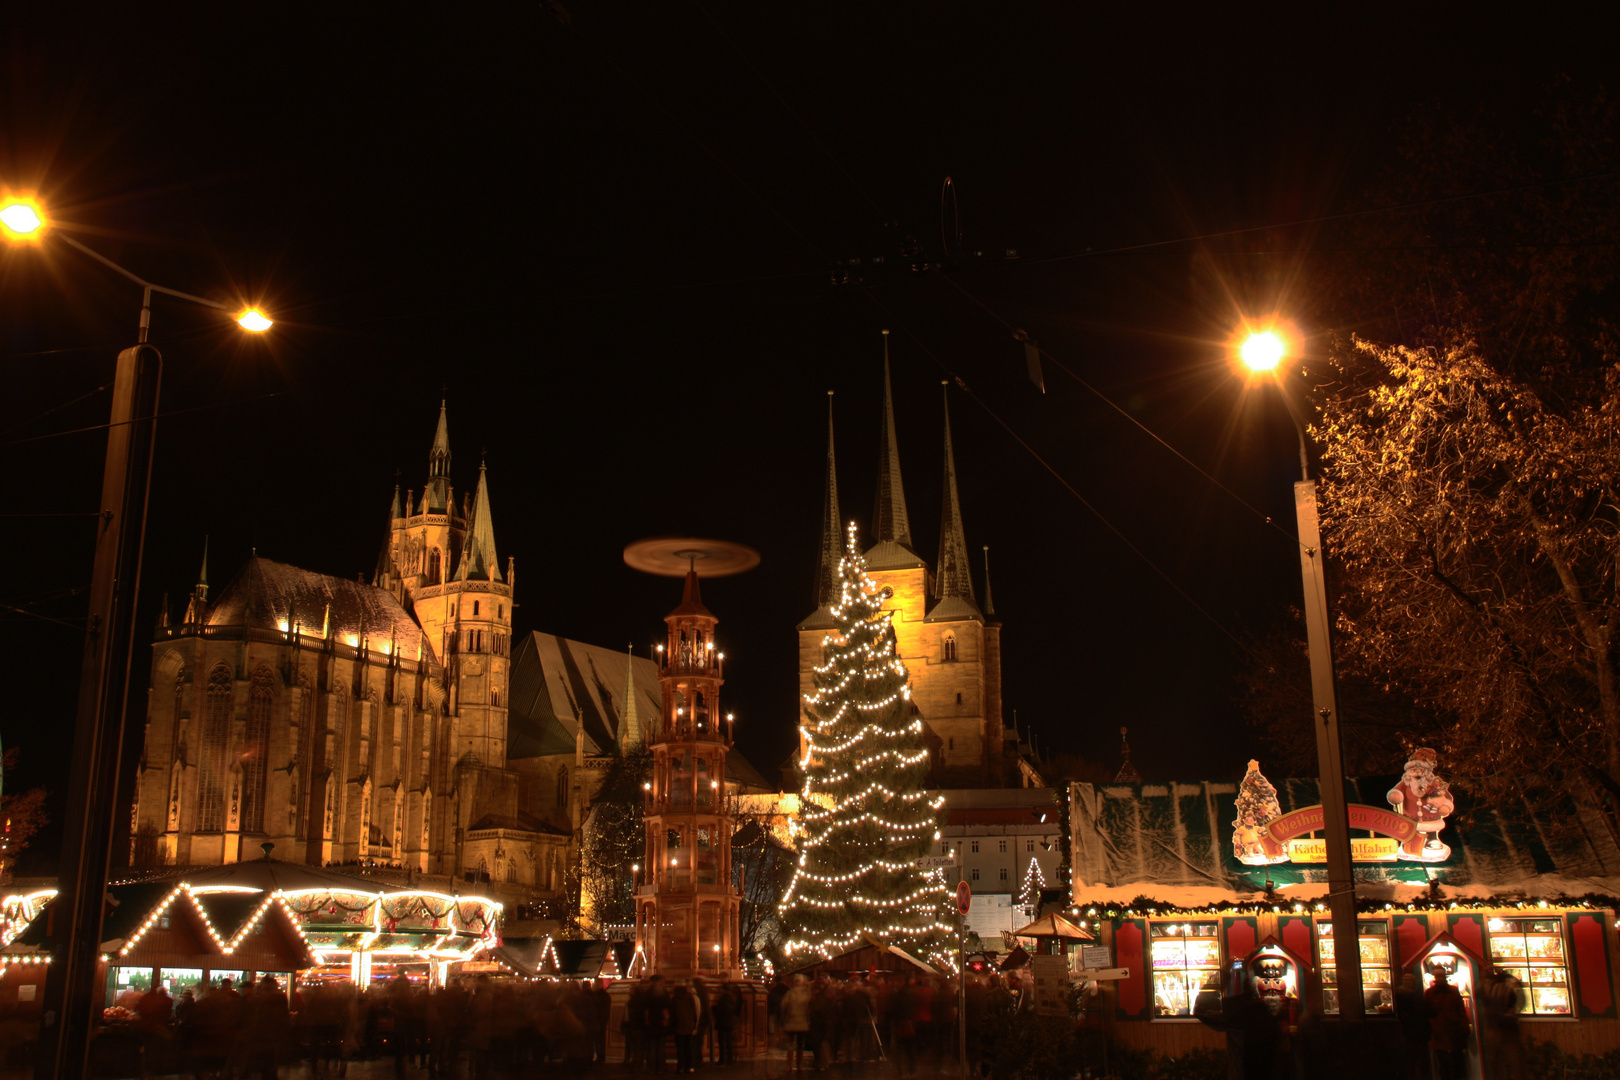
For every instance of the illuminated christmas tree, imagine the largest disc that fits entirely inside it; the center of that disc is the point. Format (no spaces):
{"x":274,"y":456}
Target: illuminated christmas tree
{"x":1029,"y":897}
{"x":865,"y":818}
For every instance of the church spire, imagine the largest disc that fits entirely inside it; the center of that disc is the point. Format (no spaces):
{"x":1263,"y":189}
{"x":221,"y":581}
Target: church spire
{"x":953,"y":579}
{"x":439,"y":456}
{"x":478,"y":558}
{"x":197,"y":606}
{"x":436,"y":495}
{"x":889,"y":520}
{"x":832,"y":526}
{"x":630,"y":733}
{"x":201,"y":591}
{"x":989,"y":604}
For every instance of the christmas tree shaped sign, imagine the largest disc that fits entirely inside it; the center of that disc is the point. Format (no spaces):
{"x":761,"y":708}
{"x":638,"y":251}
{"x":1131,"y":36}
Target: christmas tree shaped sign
{"x":1257,"y":805}
{"x":865,"y":819}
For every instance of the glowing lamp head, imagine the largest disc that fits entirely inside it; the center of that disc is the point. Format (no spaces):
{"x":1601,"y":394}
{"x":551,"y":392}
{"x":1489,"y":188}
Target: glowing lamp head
{"x":21,"y":219}
{"x":254,"y":321}
{"x":1261,"y":352}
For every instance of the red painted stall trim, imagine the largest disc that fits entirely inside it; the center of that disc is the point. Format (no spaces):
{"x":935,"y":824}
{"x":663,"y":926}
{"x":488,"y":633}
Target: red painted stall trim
{"x":1411,"y":934}
{"x":1242,"y":935}
{"x":1130,"y":951}
{"x":1591,"y":952}
{"x":1296,"y":934}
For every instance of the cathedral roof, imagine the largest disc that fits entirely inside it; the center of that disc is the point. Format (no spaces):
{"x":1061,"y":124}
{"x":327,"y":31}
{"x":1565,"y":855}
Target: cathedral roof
{"x":269,"y":595}
{"x":559,"y":685}
{"x":519,"y":822}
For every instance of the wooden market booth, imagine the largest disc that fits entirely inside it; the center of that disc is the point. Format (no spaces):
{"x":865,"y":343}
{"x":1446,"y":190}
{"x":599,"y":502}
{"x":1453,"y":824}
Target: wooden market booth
{"x":1185,"y":899}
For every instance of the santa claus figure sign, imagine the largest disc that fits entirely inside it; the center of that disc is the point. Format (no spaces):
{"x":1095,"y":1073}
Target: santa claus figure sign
{"x":1426,"y":799}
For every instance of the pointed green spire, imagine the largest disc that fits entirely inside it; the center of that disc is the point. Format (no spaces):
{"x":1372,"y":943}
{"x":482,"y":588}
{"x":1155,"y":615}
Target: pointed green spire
{"x":832,"y":526}
{"x":630,"y":733}
{"x":889,"y":520}
{"x":478,"y":559}
{"x":952,"y":576}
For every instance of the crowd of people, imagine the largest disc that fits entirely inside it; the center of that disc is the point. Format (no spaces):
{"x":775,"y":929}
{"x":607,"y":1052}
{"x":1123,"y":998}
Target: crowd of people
{"x":494,"y":1027}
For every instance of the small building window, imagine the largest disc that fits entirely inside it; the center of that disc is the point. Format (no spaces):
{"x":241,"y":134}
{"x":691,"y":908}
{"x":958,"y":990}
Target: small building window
{"x":975,"y":847}
{"x":1003,"y":873}
{"x":500,"y":612}
{"x":1532,"y":951}
{"x":950,"y":744}
{"x":1378,"y":992}
{"x":475,"y":609}
{"x":975,"y":873}
{"x":1029,"y":845}
{"x":944,"y":847}
{"x":1185,"y":958}
{"x":959,"y":697}
{"x":1002,"y":846}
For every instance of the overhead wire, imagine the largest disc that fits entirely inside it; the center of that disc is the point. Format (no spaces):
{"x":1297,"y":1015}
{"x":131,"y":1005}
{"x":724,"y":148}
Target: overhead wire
{"x":1058,"y":476}
{"x":960,"y":382}
{"x":137,"y":419}
{"x":1267,"y":519}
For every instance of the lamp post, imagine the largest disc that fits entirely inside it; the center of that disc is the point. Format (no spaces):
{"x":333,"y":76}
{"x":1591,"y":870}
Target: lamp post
{"x":71,"y":988}
{"x":1263,"y":353}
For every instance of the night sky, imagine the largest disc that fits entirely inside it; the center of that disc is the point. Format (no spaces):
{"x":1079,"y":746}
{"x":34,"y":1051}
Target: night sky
{"x":610,"y":232}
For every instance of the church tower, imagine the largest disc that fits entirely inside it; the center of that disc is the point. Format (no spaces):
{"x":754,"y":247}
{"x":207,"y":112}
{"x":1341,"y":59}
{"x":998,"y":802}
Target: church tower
{"x":686,"y":906}
{"x":443,"y":564}
{"x":952,"y":652}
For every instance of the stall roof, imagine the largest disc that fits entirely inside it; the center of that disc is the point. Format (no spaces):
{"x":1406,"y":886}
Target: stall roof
{"x":1172,"y":842}
{"x":1055,"y":926}
{"x":869,"y":955}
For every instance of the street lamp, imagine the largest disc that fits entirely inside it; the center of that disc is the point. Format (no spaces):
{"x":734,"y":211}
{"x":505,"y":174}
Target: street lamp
{"x":71,"y":988}
{"x":1263,"y":352}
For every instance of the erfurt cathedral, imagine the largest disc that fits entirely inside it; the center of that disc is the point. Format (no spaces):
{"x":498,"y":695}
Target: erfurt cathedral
{"x":393,"y":723}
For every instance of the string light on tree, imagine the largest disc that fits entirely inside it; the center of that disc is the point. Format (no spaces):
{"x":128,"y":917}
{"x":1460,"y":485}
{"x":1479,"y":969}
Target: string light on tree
{"x":866,"y":818}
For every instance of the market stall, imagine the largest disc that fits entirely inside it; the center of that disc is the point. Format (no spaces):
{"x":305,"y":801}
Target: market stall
{"x":1184,"y":882}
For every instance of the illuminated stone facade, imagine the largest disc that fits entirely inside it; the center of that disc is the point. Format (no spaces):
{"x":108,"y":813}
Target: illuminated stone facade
{"x":351,"y":722}
{"x":394,"y":723}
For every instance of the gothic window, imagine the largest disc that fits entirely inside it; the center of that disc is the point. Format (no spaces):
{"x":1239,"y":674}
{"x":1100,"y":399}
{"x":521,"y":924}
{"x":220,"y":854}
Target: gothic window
{"x":433,"y":566}
{"x":179,"y":711}
{"x":494,"y":695}
{"x":562,"y":788}
{"x":256,"y":751}
{"x":511,"y":871}
{"x":306,"y":748}
{"x":950,"y":647}
{"x":216,"y":735}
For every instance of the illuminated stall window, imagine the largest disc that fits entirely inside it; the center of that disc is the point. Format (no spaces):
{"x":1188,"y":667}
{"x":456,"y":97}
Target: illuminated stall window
{"x":1186,"y":958}
{"x":1378,"y":994}
{"x":179,"y":980}
{"x":120,"y":979}
{"x":1532,"y":951}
